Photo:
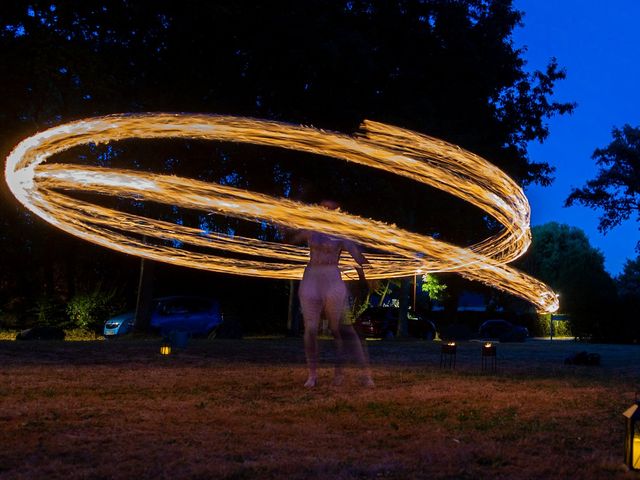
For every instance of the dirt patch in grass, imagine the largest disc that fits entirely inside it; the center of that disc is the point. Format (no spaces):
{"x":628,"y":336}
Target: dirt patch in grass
{"x":237,"y":410}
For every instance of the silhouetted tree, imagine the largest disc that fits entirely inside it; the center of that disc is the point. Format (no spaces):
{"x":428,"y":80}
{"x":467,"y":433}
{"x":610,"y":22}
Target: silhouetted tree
{"x":448,"y":69}
{"x":616,"y":188}
{"x":562,"y":257}
{"x":628,"y":283}
{"x":629,"y":280}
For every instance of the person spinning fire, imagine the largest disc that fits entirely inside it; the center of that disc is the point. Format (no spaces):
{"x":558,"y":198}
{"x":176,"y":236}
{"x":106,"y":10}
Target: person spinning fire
{"x":323,"y":290}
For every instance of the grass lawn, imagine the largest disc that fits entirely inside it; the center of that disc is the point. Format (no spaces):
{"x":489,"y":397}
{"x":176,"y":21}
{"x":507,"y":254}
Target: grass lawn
{"x":236,"y":409}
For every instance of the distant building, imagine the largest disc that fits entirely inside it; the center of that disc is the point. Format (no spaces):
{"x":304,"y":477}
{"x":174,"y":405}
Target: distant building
{"x":469,"y":302}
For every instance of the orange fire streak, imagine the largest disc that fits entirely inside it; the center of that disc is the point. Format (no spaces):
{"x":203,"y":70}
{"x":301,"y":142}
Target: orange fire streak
{"x":39,"y":187}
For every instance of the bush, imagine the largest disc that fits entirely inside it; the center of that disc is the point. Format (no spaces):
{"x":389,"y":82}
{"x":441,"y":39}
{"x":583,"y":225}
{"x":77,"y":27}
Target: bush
{"x":47,"y":311}
{"x":78,"y":334}
{"x":541,"y":328}
{"x":88,"y":311}
{"x":8,"y":319}
{"x":8,"y":334}
{"x":71,"y":335}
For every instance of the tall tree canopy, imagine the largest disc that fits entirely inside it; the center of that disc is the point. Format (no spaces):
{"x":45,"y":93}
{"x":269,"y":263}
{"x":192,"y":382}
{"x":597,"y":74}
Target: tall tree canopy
{"x":629,"y":280}
{"x":445,"y":68}
{"x":616,"y":188}
{"x":561,"y":256}
{"x":628,"y":283}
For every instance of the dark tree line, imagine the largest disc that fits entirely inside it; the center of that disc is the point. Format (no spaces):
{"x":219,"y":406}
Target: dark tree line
{"x":445,"y":68}
{"x":615,"y":192}
{"x":598,"y":305}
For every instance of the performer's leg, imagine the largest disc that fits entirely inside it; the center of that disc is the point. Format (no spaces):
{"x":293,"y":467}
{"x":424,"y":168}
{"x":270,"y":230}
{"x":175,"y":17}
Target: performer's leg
{"x":311,"y":309}
{"x":354,"y":345}
{"x":334,"y":308}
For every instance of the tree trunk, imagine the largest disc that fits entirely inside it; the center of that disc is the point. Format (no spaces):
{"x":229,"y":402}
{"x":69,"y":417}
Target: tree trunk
{"x":415,"y":284}
{"x":384,"y":294}
{"x":403,"y":327}
{"x":144,"y":301}
{"x":293,"y":323}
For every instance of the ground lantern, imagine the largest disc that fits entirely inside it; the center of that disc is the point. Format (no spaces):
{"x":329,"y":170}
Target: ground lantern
{"x":165,"y":348}
{"x":632,"y":436}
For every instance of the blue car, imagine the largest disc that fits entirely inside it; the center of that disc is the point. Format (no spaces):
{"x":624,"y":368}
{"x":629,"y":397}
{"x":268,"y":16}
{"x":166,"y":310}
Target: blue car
{"x":194,"y":315}
{"x":120,"y":324}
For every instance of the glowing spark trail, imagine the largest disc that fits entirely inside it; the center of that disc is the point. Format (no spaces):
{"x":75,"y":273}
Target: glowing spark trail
{"x":39,"y":187}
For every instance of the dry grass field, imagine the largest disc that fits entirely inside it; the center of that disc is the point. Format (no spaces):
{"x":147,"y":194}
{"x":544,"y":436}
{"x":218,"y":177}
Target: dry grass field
{"x":236,"y":409}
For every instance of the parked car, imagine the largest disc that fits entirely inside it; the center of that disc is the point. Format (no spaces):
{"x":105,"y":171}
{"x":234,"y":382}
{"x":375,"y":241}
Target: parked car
{"x":194,"y":315}
{"x":120,"y":324}
{"x":41,"y":333}
{"x":503,"y":331}
{"x":382,"y":322}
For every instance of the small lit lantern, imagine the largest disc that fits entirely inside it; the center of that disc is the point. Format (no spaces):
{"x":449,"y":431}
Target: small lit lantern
{"x":165,"y":348}
{"x":632,"y":436}
{"x":489,"y":359}
{"x":448,"y":355}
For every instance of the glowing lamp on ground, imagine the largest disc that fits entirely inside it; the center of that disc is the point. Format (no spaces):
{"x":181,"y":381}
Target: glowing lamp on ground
{"x":448,"y":355}
{"x":632,"y":436}
{"x":489,"y":358}
{"x":165,"y":348}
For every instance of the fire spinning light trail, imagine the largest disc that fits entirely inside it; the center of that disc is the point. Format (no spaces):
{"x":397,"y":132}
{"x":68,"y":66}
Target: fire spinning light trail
{"x":41,"y":188}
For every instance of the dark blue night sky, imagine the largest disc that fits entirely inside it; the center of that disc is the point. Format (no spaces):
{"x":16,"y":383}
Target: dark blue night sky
{"x":598,"y":43}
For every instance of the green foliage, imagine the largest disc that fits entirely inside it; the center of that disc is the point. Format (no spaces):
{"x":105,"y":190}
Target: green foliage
{"x":8,"y":320}
{"x":45,"y":310}
{"x":433,"y":287}
{"x":76,"y":334}
{"x":80,"y":334}
{"x":562,"y":328}
{"x":384,"y":288}
{"x":616,"y":188}
{"x":362,"y":301}
{"x":357,"y":308}
{"x":89,"y":311}
{"x":542,"y":327}
{"x":359,"y":302}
